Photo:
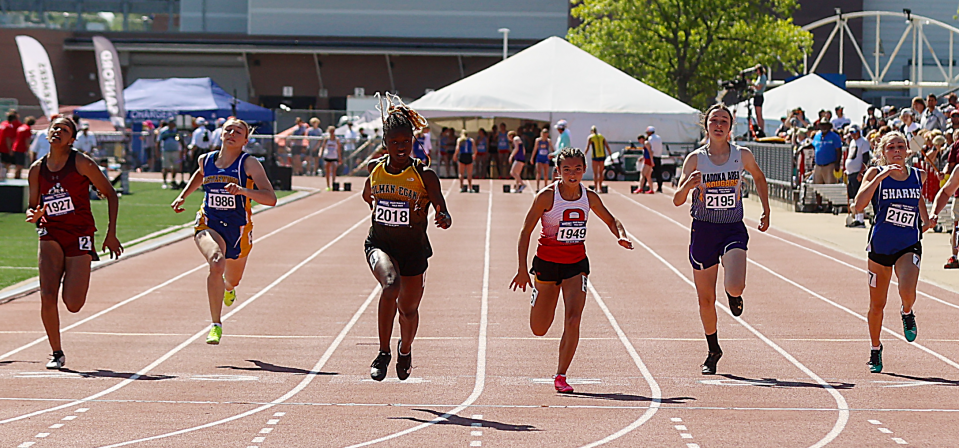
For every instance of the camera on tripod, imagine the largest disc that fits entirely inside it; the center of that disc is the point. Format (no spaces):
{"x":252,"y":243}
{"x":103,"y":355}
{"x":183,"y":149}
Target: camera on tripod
{"x":735,"y":90}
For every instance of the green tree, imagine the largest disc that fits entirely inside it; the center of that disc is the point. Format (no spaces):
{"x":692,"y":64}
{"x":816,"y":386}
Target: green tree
{"x":683,"y":47}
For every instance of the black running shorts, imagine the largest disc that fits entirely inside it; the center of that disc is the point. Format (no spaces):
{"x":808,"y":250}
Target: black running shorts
{"x":550,"y":272}
{"x":890,"y":260}
{"x":409,"y":263}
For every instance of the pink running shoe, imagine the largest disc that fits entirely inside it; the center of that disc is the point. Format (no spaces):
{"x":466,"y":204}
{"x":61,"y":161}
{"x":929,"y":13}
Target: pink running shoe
{"x":559,"y":382}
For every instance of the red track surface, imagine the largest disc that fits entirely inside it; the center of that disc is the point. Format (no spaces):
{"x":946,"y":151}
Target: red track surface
{"x":293,"y":366}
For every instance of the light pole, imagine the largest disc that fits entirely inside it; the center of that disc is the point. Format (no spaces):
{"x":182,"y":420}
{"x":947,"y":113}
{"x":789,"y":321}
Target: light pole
{"x":505,"y":32}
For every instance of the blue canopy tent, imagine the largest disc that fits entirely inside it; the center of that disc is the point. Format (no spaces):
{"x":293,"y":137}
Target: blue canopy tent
{"x":160,"y":99}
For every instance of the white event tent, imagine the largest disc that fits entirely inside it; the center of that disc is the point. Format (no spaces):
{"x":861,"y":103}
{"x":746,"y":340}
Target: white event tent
{"x":555,"y":80}
{"x":812,"y":93}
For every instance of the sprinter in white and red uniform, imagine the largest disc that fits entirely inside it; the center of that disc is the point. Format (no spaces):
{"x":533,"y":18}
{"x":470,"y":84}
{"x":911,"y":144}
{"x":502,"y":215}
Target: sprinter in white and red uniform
{"x":60,"y":206}
{"x":560,"y":263}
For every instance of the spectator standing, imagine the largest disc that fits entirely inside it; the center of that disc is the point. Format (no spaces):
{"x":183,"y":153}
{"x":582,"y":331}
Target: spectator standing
{"x":148,"y":143}
{"x":857,"y":160}
{"x":951,"y":162}
{"x":86,"y":142}
{"x":427,"y":141}
{"x":171,"y":152}
{"x":298,"y":147}
{"x":598,"y":149}
{"x":350,"y":139}
{"x":656,"y":151}
{"x":21,"y":146}
{"x":932,"y":117}
{"x":502,"y":150}
{"x":953,"y":124}
{"x":563,"y":140}
{"x":216,"y":137}
{"x":909,"y":126}
{"x":828,"y":147}
{"x":841,"y":120}
{"x":200,"y":143}
{"x":759,"y":86}
{"x":40,"y":147}
{"x":313,"y":147}
{"x":8,"y":134}
{"x":482,"y":154}
{"x":952,"y":100}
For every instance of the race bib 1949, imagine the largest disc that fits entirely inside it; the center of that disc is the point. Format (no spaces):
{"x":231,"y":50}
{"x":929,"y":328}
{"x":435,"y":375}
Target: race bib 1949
{"x":58,"y":204}
{"x":901,"y":215}
{"x":571,"y":232}
{"x":392,"y":213}
{"x":720,"y":198}
{"x":220,"y":201}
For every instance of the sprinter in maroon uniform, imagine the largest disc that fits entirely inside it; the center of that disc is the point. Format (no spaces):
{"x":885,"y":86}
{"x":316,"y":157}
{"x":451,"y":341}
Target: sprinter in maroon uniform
{"x":60,"y":206}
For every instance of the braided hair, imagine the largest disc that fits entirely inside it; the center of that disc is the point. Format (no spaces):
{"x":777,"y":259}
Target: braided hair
{"x":397,"y":116}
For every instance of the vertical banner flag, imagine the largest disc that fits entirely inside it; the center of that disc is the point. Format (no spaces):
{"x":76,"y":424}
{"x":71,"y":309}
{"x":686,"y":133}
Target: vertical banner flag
{"x":111,"y":79}
{"x":39,"y":73}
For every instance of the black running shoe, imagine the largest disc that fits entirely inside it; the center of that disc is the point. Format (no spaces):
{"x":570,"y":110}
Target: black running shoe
{"x":735,"y":305}
{"x":909,"y":326}
{"x":380,"y":365}
{"x":875,"y":360}
{"x":709,"y":366}
{"x":403,"y":363}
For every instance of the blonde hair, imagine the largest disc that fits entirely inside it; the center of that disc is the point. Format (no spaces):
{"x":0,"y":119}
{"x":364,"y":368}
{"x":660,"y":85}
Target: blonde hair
{"x":249,"y":129}
{"x":314,"y":121}
{"x":884,"y":142}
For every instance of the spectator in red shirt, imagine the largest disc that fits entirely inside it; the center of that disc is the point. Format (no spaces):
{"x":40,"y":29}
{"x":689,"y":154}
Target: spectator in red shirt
{"x":21,"y":145}
{"x":8,"y":134}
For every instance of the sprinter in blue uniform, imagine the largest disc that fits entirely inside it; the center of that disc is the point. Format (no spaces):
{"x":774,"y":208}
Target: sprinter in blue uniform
{"x":464,"y":147}
{"x":223,"y":230}
{"x":895,"y":192}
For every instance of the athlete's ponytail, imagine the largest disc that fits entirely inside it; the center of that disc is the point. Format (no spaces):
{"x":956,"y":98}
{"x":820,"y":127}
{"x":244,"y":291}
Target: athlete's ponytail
{"x":398,"y":116}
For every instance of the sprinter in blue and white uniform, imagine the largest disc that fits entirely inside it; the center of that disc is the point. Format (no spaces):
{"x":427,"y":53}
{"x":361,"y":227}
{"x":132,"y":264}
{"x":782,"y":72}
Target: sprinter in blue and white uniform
{"x":895,"y":192}
{"x":544,"y":151}
{"x":464,"y":147}
{"x":223,"y":230}
{"x":713,"y":174}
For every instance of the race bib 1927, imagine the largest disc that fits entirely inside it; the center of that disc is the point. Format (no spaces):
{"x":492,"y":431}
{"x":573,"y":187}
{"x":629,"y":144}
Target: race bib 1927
{"x":58,"y":204}
{"x":392,"y":213}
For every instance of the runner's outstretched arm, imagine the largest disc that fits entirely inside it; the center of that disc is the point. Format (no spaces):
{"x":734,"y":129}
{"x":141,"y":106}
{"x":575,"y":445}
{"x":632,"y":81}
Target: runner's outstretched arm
{"x":691,"y":179}
{"x":615,"y":226}
{"x":544,"y":199}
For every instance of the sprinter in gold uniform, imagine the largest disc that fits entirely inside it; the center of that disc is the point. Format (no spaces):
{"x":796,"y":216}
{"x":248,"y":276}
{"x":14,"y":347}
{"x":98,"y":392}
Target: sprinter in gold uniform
{"x":400,"y":190}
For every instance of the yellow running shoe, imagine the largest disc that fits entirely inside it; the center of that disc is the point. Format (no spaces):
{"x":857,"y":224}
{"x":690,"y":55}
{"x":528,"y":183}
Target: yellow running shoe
{"x":229,"y":297}
{"x":214,"y":337}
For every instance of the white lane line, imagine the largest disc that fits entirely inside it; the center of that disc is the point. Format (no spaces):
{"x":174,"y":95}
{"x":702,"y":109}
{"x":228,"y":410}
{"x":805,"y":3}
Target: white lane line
{"x":655,"y":392}
{"x":899,"y":441}
{"x":26,"y":444}
{"x":69,"y":417}
{"x":875,"y":422}
{"x":266,"y":430}
{"x":680,"y":427}
{"x":476,"y":443}
{"x":685,"y":435}
{"x":161,"y":285}
{"x":480,"y":382}
{"x":885,"y":430}
{"x":314,"y":372}
{"x":476,"y":433}
{"x":841,"y":404}
{"x":42,"y":435}
{"x":82,"y":410}
{"x":851,"y":266}
{"x":676,"y":419}
{"x":196,"y":336}
{"x":279,"y":414}
{"x":692,"y":445}
{"x":56,"y":426}
{"x":258,"y":439}
{"x":273,"y":421}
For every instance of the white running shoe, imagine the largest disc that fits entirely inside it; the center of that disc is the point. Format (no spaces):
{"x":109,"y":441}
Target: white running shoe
{"x":57,"y":360}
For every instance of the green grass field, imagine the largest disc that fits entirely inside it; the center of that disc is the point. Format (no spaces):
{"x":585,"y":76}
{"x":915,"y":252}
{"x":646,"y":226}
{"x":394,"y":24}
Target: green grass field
{"x":144,"y":212}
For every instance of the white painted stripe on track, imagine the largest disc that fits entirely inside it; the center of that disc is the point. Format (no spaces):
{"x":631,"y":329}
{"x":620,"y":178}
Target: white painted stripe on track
{"x":841,"y":404}
{"x":655,"y":391}
{"x":164,"y":284}
{"x":480,"y":382}
{"x":939,"y":356}
{"x":196,"y":336}
{"x":314,"y":372}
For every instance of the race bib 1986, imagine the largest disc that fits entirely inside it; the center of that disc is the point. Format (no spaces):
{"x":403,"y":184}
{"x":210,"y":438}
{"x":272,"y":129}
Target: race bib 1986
{"x":58,"y":204}
{"x":220,"y":201}
{"x":571,"y":232}
{"x":392,"y":213}
{"x":901,"y":215}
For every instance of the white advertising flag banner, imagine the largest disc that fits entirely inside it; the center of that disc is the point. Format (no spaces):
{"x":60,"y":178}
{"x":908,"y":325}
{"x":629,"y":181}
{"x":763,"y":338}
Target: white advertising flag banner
{"x":39,"y":73}
{"x":111,"y":79}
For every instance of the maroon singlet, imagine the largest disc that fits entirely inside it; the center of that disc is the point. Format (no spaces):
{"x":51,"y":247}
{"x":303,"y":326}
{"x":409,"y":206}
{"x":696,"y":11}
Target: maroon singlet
{"x":66,"y":194}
